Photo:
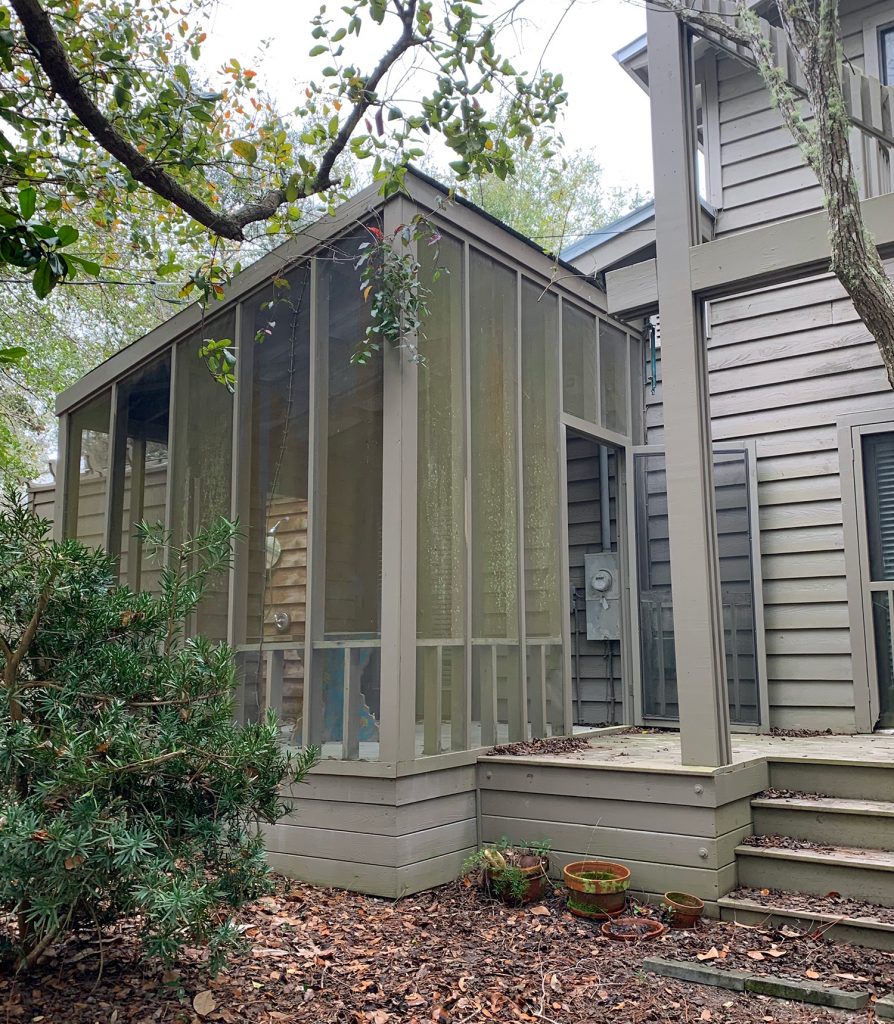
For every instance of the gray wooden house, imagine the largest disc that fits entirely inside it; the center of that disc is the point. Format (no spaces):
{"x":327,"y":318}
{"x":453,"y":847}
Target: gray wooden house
{"x":646,"y":485}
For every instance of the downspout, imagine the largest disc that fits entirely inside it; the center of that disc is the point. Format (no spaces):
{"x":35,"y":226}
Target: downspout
{"x":605,"y":527}
{"x":605,"y":513}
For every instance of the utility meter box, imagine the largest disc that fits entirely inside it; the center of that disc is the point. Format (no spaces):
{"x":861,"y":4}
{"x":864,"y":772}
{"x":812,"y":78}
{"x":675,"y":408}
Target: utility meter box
{"x":603,"y":583}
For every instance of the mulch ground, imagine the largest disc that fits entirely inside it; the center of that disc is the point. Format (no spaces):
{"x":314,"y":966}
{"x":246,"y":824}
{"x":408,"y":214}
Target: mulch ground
{"x":447,"y":956}
{"x":788,"y":952}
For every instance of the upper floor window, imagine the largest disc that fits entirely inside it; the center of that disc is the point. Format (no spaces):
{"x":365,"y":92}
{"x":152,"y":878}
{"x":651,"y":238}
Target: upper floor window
{"x":886,"y":53}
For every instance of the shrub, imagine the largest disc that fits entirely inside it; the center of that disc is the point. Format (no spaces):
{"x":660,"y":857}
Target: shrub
{"x":126,"y":786}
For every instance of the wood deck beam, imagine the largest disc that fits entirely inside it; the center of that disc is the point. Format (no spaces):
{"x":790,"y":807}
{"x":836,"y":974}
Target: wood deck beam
{"x":750,"y":259}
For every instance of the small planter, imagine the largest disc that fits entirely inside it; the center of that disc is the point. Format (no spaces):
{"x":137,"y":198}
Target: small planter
{"x":513,"y":874}
{"x":683,"y":910}
{"x":597,"y":888}
{"x":633,"y":929}
{"x":501,"y":883}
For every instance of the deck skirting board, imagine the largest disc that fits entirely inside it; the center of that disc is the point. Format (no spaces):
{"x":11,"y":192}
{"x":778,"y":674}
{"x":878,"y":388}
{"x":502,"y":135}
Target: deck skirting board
{"x":604,"y":842}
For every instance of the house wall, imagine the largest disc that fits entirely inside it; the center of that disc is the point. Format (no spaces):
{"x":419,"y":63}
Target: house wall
{"x":756,"y":174}
{"x":784,"y":364}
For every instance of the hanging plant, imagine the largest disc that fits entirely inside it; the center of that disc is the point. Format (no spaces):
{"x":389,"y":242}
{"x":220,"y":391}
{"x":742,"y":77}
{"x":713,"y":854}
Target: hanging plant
{"x":389,"y":279}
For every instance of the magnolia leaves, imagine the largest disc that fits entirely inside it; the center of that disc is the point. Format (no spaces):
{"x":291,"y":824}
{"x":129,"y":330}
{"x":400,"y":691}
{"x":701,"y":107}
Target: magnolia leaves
{"x":34,"y":245}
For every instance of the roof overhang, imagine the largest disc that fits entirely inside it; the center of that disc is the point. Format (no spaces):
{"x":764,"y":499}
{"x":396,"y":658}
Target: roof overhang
{"x":627,"y":240}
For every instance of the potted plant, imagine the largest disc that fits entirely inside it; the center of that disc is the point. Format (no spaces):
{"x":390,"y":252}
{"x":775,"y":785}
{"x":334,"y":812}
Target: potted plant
{"x":682,"y":909}
{"x":516,"y":874}
{"x":596,"y":888}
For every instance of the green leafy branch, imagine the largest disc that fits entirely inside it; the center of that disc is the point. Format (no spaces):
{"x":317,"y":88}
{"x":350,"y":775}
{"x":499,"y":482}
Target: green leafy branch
{"x":35,"y":245}
{"x":389,"y":279}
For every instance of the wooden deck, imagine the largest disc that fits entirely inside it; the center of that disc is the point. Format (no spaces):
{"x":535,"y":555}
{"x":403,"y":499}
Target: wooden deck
{"x":660,"y":751}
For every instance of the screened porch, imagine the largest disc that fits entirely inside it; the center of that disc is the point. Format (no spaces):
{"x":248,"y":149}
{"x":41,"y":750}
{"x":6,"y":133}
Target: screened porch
{"x":401,"y":589}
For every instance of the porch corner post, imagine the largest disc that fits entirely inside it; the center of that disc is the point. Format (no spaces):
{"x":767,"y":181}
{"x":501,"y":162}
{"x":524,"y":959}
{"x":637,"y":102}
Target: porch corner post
{"x":692,"y":523}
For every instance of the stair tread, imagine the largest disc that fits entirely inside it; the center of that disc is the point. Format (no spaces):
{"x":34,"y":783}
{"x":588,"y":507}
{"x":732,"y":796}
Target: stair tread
{"x":782,"y":909}
{"x":835,"y":804}
{"x":849,"y":856}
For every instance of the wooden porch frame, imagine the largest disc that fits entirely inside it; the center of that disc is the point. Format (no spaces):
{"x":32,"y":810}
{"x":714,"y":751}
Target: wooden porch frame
{"x":397,"y":753}
{"x":747,"y":260}
{"x":692,"y":521}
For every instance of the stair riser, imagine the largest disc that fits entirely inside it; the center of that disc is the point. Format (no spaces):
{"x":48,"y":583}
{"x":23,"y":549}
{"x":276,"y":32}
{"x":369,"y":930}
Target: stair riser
{"x":852,"y":781}
{"x":807,"y":876}
{"x":861,"y":830}
{"x":853,"y":934}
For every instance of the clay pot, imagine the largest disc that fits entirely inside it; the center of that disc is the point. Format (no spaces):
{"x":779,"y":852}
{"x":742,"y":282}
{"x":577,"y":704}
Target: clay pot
{"x":597,"y":888}
{"x":633,"y":929}
{"x":683,"y":909}
{"x":534,"y":868}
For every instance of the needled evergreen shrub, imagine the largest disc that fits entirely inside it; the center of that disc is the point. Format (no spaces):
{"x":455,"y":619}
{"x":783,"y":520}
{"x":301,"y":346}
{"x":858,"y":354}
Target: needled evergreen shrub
{"x":126,"y":786}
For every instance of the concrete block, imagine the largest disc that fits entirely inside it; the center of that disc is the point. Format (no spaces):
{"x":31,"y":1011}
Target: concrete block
{"x":699,"y":974}
{"x":884,"y":1008}
{"x":806,"y":992}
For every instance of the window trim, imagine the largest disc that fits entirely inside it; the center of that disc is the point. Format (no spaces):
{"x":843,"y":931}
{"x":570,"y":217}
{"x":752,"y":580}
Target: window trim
{"x":851,"y":430}
{"x":872,"y":42}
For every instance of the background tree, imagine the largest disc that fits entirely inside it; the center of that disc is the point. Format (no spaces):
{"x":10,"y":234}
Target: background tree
{"x":554,"y":196}
{"x":813,"y":31}
{"x":122,"y":157}
{"x":105,"y":106}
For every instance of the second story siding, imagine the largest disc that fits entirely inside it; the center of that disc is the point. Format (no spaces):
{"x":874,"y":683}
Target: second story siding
{"x":755,"y":174}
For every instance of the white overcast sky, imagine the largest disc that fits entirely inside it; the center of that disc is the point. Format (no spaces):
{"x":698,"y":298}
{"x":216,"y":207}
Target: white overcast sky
{"x":606,"y":111}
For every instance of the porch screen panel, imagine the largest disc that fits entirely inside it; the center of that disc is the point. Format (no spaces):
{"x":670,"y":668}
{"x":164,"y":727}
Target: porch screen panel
{"x":276,"y":326}
{"x":441,"y":705}
{"x":496,"y":660}
{"x":736,"y":582}
{"x":350,"y":418}
{"x":202,"y":465}
{"x":542,"y":502}
{"x":614,"y":379}
{"x":579,"y":355}
{"x":141,"y":470}
{"x":88,"y":476}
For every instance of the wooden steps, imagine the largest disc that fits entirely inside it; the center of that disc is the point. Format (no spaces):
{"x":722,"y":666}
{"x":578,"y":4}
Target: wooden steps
{"x":856,"y":930}
{"x":830,"y":829}
{"x":850,"y":822}
{"x":862,"y":874}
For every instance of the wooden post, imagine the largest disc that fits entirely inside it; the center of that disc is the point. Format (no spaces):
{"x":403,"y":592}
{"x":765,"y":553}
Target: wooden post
{"x":695,"y":572}
{"x":68,"y":456}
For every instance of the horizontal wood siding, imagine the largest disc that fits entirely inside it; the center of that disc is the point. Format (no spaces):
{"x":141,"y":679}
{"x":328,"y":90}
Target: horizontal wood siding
{"x":388,"y":837}
{"x":784,"y":364}
{"x":671,"y":830}
{"x":763,"y":176}
{"x":43,"y":498}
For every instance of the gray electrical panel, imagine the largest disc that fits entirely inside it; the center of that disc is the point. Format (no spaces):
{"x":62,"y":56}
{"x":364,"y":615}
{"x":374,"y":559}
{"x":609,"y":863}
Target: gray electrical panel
{"x":603,"y":582}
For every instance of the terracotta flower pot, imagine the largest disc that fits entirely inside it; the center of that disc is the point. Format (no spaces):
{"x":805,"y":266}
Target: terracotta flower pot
{"x":596,"y":888}
{"x":683,"y":909}
{"x":532,"y":866}
{"x":633,"y":929}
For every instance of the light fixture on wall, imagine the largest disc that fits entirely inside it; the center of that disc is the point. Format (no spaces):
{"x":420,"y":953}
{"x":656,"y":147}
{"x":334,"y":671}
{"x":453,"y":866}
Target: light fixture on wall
{"x":273,"y":548}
